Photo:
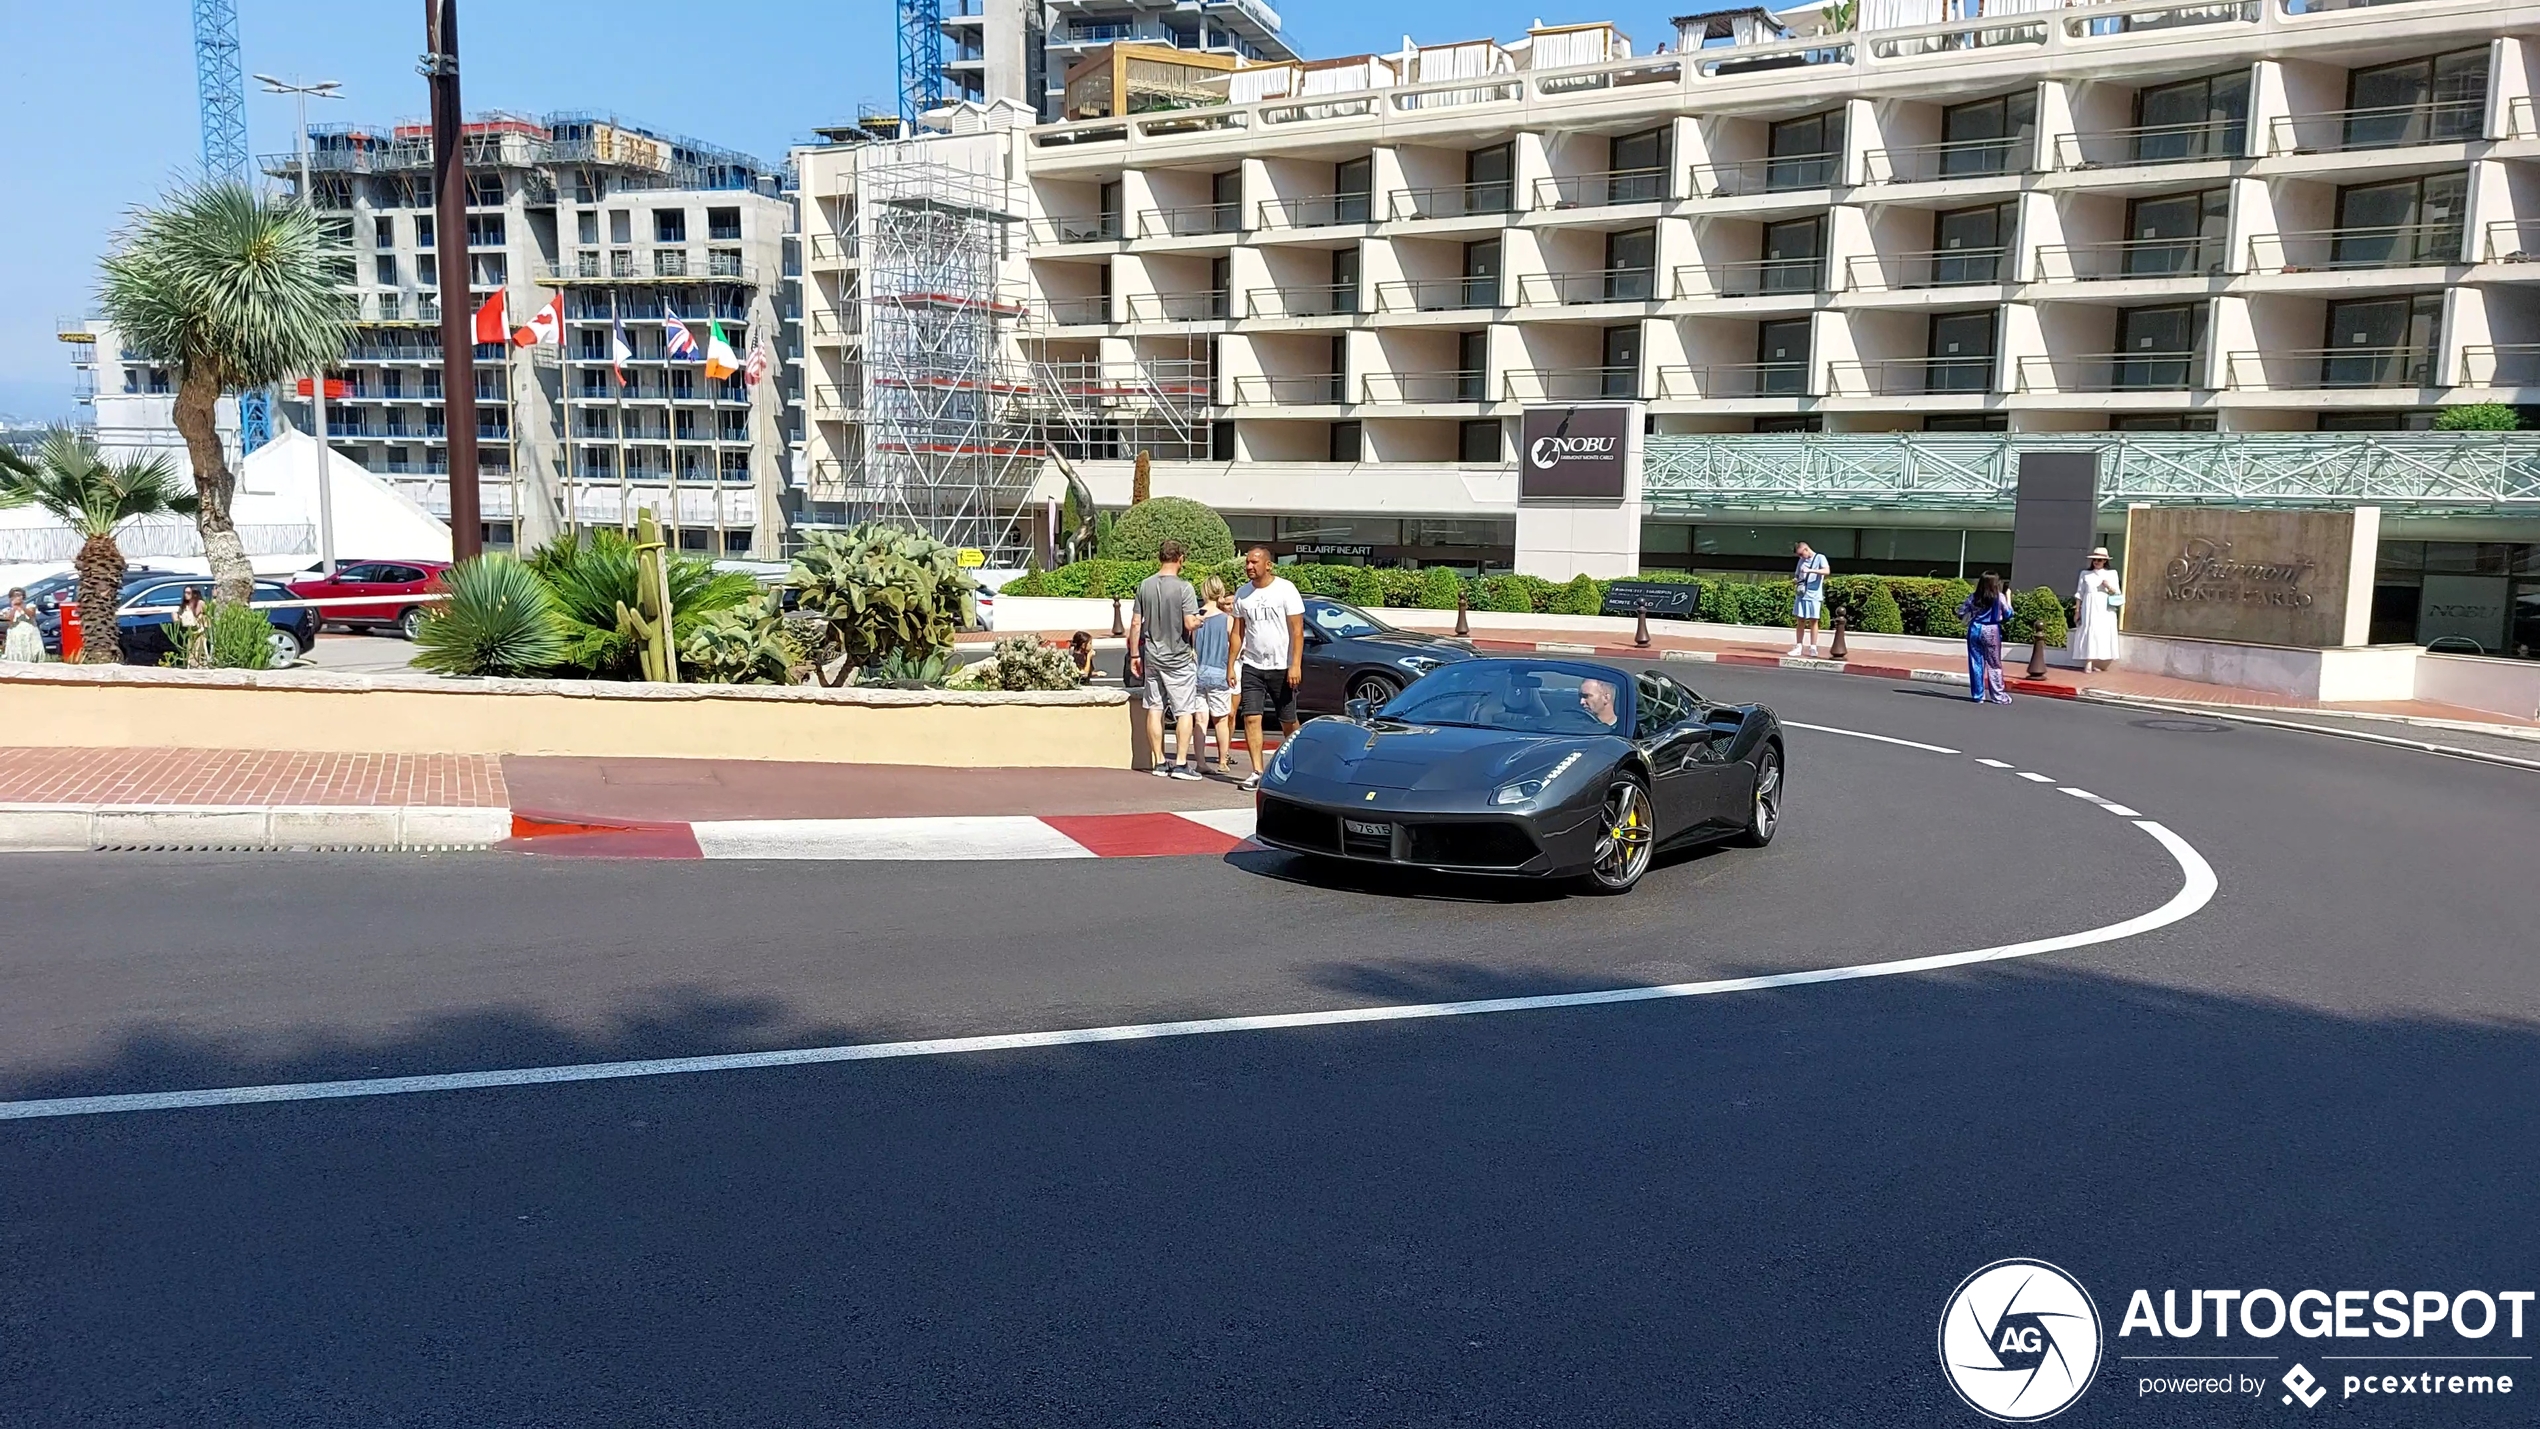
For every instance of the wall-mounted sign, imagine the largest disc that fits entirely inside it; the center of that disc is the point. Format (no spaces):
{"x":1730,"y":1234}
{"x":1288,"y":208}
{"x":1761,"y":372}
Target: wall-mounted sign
{"x":2454,"y":608}
{"x":1574,"y":454}
{"x":2297,"y":578}
{"x":1328,"y":549}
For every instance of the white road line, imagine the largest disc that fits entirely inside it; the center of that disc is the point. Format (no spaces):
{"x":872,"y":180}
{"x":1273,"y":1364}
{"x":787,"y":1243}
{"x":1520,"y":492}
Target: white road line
{"x":2121,"y":811}
{"x":2195,"y":890}
{"x":1881,"y":738}
{"x":1993,"y":764}
{"x":2081,"y":794}
{"x":1237,"y":822}
{"x":2035,"y":778}
{"x":999,"y":836}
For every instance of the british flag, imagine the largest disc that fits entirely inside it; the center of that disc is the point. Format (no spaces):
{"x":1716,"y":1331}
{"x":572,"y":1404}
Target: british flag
{"x":675,"y":338}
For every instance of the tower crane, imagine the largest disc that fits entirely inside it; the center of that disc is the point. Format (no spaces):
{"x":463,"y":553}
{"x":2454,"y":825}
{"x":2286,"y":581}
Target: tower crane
{"x":220,"y":89}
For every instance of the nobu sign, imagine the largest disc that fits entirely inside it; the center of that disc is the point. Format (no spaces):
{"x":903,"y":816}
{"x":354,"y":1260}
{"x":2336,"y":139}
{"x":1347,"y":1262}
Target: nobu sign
{"x":1574,"y":454}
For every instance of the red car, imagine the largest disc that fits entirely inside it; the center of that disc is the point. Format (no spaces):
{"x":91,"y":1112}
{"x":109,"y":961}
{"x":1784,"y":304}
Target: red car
{"x":371,"y":578}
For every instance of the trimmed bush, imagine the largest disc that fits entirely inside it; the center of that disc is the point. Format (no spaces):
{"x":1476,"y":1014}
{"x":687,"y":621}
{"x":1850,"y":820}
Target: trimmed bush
{"x":2478,"y":417}
{"x":2037,"y":614}
{"x":1581,"y":596}
{"x":1880,"y":614}
{"x":1402,"y":588}
{"x":1143,"y":529}
{"x":1502,"y":593}
{"x":1438,"y":589}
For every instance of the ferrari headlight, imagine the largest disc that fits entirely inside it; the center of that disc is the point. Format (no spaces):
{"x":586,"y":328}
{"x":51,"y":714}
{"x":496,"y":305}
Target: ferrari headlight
{"x":1525,"y":789}
{"x":1280,"y":764}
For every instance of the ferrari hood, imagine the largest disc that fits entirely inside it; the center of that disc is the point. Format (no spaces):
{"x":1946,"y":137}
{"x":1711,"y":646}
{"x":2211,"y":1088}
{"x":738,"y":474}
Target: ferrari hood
{"x":1386,"y":756}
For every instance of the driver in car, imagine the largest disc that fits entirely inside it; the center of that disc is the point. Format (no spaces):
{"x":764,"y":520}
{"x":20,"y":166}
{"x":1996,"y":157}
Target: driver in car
{"x":1597,"y":698}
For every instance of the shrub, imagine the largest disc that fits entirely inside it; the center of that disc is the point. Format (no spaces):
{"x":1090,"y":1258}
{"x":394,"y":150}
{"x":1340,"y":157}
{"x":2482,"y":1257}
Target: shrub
{"x":500,"y":619}
{"x":1402,"y":588}
{"x":1880,"y":614}
{"x":240,"y":636}
{"x":2478,"y":417}
{"x":1143,"y":529}
{"x":745,"y":644}
{"x":1581,"y":595}
{"x":1502,"y":593}
{"x":1364,"y":588}
{"x":593,"y":576}
{"x":2037,"y":614}
{"x":1022,"y":663}
{"x":878,"y":590}
{"x":1438,"y":589}
{"x":1930,"y":604}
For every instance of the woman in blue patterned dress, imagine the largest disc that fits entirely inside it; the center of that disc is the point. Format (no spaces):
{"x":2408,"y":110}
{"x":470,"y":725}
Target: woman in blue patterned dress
{"x":1986,"y":613}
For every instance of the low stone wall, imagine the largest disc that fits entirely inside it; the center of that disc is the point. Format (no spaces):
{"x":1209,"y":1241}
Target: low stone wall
{"x":83,"y":706}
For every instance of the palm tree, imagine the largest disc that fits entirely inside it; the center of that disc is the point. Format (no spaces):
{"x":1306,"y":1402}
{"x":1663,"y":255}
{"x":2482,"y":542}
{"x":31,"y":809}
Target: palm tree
{"x":233,"y":292}
{"x":94,"y":497}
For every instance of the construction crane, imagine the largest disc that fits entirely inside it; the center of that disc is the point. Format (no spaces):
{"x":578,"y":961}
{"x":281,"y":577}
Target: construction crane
{"x":220,"y":88}
{"x":921,"y":60}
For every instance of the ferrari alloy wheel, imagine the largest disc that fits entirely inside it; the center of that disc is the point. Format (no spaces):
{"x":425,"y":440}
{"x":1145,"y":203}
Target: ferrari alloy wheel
{"x":1765,"y":814}
{"x":1626,"y":839}
{"x":1374,"y":689}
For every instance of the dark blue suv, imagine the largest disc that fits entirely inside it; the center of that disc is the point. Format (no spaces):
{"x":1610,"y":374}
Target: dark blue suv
{"x":145,"y":635}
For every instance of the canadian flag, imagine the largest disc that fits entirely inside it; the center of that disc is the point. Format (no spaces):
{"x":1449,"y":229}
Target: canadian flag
{"x":545,"y":325}
{"x":490,"y":323}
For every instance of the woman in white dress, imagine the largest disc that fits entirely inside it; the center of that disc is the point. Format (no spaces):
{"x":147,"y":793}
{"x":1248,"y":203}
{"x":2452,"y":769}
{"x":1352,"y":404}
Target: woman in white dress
{"x":2095,"y":601}
{"x":25,"y":644}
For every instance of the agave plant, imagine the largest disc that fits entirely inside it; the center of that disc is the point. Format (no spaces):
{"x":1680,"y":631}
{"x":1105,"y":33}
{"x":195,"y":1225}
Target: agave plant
{"x":94,"y":497}
{"x":745,"y":644}
{"x":233,"y":291}
{"x":875,"y":590}
{"x":592,"y":575}
{"x":908,"y":666}
{"x":499,"y":620}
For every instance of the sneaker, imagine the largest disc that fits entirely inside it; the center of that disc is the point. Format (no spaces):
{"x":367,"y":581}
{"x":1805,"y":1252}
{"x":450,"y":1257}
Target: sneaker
{"x":1186,"y":771}
{"x":1794,"y":653}
{"x":1251,"y":782}
{"x":1162,"y":771}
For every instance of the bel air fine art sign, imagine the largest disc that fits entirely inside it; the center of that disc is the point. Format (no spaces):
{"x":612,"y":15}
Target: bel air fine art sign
{"x":2296,"y":578}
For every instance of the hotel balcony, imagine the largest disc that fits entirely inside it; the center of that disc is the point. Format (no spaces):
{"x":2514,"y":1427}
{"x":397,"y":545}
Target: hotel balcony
{"x":2331,"y":250}
{"x":1466,"y":385}
{"x":1294,"y":389}
{"x":1302,"y":300}
{"x":2330,"y":369}
{"x":1612,"y":285}
{"x":1937,"y":163}
{"x":2201,"y":256}
{"x":1437,"y":295}
{"x":1191,"y":220}
{"x":1724,"y":381}
{"x":2512,"y":364}
{"x":1933,"y":268}
{"x":2112,"y":372}
{"x":1607,"y":189}
{"x":1315,"y":211}
{"x":1911,"y":376}
{"x":1571,"y":384}
{"x":1446,"y":201}
{"x":2150,"y":144}
{"x":1183,"y":307}
{"x":1747,"y":178}
{"x":1753,"y":278}
{"x":2397,"y":126}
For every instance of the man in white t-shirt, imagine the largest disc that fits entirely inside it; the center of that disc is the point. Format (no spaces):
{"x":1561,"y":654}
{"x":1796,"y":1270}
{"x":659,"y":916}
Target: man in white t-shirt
{"x":1267,"y":645}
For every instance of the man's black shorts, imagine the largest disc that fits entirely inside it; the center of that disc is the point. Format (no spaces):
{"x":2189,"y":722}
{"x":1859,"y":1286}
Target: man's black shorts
{"x":1269,"y":694}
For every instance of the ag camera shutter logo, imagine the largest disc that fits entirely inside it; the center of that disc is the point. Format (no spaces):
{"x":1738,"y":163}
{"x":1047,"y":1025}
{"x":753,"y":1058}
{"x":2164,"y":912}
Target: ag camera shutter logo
{"x":2019,"y":1341}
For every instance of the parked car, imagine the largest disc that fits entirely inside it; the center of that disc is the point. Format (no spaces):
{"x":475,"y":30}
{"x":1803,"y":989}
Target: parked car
{"x":145,"y":635}
{"x":47,"y":595}
{"x":1351,"y":655}
{"x":371,"y":579}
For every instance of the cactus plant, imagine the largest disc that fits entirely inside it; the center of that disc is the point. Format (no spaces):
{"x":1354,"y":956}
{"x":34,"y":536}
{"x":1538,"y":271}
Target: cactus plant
{"x":875,"y":590}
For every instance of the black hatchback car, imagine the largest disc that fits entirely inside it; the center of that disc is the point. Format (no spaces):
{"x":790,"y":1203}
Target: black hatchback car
{"x":1351,"y":655}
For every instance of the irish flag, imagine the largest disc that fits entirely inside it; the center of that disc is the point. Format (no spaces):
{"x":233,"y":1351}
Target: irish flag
{"x":721,"y":362}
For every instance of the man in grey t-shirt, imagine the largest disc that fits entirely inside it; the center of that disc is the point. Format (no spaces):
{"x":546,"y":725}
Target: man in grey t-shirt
{"x":1161,"y":658}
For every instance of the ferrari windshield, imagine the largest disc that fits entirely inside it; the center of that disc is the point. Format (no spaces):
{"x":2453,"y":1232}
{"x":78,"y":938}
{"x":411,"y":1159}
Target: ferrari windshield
{"x":1519,"y":696}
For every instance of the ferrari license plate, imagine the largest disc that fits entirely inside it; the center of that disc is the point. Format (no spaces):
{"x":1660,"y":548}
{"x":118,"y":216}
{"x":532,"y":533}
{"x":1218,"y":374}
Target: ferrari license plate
{"x":1373,"y":831}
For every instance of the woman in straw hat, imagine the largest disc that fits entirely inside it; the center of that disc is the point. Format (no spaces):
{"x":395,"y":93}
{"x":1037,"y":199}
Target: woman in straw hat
{"x":2095,"y":602}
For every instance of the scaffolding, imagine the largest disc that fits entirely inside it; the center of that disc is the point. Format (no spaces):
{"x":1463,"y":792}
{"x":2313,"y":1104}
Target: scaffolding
{"x":950,"y":446}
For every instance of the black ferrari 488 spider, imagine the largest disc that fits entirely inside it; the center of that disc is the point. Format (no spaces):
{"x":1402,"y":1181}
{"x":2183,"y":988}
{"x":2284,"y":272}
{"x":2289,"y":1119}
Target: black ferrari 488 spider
{"x":1543,"y":768}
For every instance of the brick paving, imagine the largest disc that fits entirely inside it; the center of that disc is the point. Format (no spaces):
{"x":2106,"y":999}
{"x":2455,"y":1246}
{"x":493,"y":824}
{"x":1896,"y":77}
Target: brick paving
{"x":249,"y":777}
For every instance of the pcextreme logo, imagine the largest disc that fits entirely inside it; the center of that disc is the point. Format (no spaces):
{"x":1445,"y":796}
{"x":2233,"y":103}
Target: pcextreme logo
{"x":2019,"y":1341}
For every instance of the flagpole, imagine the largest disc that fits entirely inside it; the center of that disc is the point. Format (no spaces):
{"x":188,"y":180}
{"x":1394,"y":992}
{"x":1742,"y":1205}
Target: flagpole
{"x":564,"y":415}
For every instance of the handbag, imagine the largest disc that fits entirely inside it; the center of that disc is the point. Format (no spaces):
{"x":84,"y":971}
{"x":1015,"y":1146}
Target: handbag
{"x":2116,"y":599}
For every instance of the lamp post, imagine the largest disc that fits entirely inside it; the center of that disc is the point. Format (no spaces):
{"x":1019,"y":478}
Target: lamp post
{"x":302,"y":94}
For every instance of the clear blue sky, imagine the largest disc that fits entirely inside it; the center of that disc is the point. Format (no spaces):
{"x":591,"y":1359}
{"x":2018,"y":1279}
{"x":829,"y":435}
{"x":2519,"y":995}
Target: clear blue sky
{"x":97,"y":106}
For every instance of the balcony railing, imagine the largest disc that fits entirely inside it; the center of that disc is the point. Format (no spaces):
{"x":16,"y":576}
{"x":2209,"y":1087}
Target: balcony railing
{"x":1315,"y":211}
{"x":1452,"y":201}
{"x":2513,"y":241}
{"x":2113,"y":372}
{"x":1752,"y":278}
{"x":1191,"y":220}
{"x":1720,"y":381}
{"x":1305,"y":300}
{"x":2396,"y":126}
{"x":1961,"y":159}
{"x":1603,"y":189}
{"x":2512,"y":364}
{"x":1076,"y":312}
{"x":2309,"y":369}
{"x":1436,"y":295}
{"x":2415,"y":245}
{"x":1565,"y":384}
{"x":2196,"y":256}
{"x":1304,"y":389}
{"x":1614,"y":285}
{"x":1180,"y":307}
{"x":1788,"y":174}
{"x":1937,"y":268}
{"x":2152,"y":144}
{"x":1910,"y":376}
{"x":1466,"y":385}
{"x":1078,"y":228}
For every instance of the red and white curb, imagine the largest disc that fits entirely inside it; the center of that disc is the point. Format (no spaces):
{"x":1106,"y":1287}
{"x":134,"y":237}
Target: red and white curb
{"x":947,"y":838}
{"x":81,"y":828}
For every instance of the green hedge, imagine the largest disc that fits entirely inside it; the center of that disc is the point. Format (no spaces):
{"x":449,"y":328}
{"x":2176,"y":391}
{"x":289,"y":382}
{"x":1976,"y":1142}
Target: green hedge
{"x":1886,"y":605}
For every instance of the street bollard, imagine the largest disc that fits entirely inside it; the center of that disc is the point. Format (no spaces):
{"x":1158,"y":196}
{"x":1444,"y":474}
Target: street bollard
{"x":1640,"y":632}
{"x":1463,"y":613}
{"x":1839,"y":650}
{"x":1116,"y":627}
{"x":2037,"y":657}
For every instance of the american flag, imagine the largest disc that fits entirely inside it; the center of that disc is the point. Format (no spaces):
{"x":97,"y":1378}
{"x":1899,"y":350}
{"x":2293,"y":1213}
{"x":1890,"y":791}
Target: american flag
{"x":757,"y":367}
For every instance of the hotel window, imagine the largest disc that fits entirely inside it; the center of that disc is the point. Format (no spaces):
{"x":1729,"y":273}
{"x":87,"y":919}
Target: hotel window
{"x":2193,"y":119}
{"x":1478,"y":441}
{"x":1989,"y":136}
{"x":1804,"y":151}
{"x":2440,"y":99}
{"x":670,"y":225}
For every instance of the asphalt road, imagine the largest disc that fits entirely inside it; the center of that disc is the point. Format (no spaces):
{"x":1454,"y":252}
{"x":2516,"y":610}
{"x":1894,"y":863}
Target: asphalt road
{"x":1736,"y":1209}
